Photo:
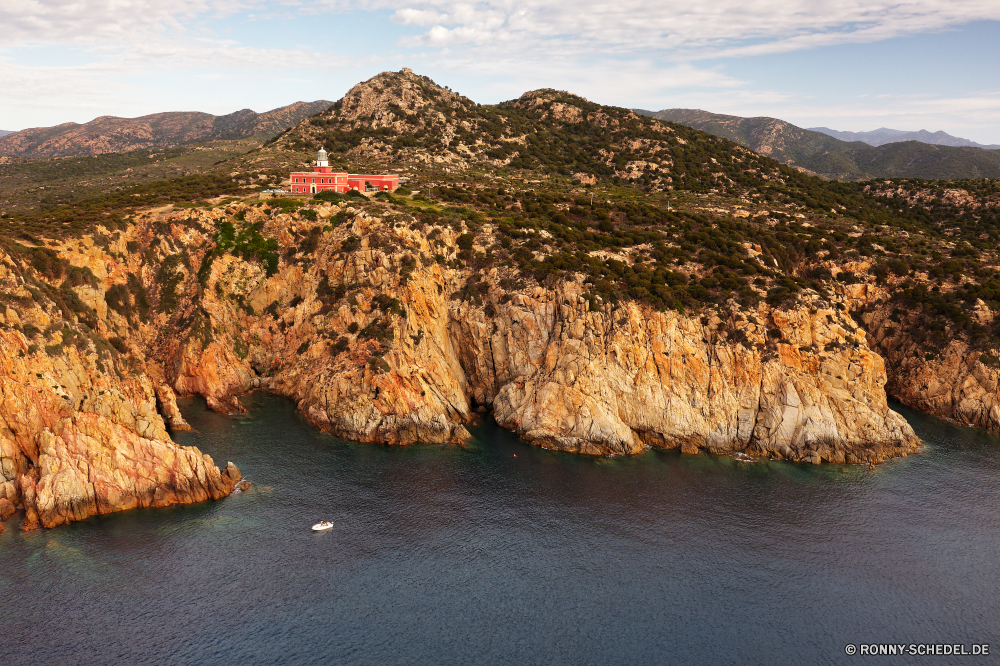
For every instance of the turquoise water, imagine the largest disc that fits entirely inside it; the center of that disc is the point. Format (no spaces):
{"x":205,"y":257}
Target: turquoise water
{"x":502,"y":553}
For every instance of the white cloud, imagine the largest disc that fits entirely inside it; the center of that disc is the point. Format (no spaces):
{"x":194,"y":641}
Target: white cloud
{"x":718,"y":27}
{"x":681,"y":27}
{"x":418,"y":17}
{"x":635,"y":52}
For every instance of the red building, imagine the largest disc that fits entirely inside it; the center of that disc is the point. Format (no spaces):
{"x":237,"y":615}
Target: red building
{"x":323,"y":178}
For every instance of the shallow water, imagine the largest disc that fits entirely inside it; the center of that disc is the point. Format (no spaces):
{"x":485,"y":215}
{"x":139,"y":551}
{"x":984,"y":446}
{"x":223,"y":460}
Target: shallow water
{"x":505,"y":553}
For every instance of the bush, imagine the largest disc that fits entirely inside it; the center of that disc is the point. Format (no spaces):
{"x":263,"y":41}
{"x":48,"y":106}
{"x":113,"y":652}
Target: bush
{"x":465,"y":241}
{"x":340,"y":346}
{"x":286,"y":205}
{"x":989,"y":360}
{"x":247,"y":243}
{"x":117,"y":298}
{"x":329,"y":196}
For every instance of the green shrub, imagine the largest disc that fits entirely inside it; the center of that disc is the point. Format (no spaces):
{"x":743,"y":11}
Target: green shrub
{"x":117,"y":298}
{"x":328,"y":196}
{"x":247,"y":243}
{"x":989,"y":360}
{"x":168,"y":277}
{"x":465,"y":241}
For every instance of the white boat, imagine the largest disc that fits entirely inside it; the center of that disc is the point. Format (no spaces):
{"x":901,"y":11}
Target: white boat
{"x":325,"y":525}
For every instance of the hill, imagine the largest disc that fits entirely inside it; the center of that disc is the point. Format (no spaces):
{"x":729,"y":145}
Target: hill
{"x":404,"y":121}
{"x":109,"y":134}
{"x":601,"y":281}
{"x":829,"y":157}
{"x":31,"y":184}
{"x":884,"y":135}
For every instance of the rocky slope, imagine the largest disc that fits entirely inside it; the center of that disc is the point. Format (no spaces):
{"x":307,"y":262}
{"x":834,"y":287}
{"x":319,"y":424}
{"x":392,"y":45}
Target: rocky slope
{"x":598,"y":282}
{"x":376,"y":342}
{"x":80,"y":434}
{"x":957,"y":381}
{"x":401,"y":120}
{"x":109,"y":134}
{"x":843,"y":158}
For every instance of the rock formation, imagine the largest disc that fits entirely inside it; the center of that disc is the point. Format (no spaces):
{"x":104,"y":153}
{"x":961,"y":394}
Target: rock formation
{"x":397,"y":355}
{"x":955,"y":382}
{"x":548,"y":281}
{"x":79,"y":431}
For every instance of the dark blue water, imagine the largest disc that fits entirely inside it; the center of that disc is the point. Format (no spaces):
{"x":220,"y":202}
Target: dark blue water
{"x":507,"y":554}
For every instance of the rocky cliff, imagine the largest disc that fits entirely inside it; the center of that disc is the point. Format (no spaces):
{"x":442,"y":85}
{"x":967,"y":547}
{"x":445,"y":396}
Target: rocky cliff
{"x":955,"y":380}
{"x":80,"y":434}
{"x":376,"y":341}
{"x":598,"y":282}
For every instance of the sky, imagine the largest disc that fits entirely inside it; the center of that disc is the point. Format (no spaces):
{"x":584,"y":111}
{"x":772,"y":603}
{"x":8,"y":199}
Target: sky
{"x":851,"y":65}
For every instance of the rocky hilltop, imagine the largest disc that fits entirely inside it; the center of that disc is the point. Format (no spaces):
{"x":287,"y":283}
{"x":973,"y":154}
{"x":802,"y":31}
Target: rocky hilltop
{"x":593,"y":280}
{"x":109,"y":134}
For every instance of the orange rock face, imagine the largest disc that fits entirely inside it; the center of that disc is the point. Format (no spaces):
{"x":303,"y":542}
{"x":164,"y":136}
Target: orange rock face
{"x":564,"y":375}
{"x":377,"y":341}
{"x":954,"y":381}
{"x":78,"y":437}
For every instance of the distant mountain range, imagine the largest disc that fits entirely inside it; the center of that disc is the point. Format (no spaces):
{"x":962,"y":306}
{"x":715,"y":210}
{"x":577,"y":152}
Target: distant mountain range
{"x":109,"y":134}
{"x":830,"y":157}
{"x":5,"y":132}
{"x":884,"y":135}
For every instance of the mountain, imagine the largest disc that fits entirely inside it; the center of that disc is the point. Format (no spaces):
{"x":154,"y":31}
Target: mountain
{"x":5,"y":132}
{"x":884,"y":135}
{"x":109,"y":134}
{"x":405,"y":121}
{"x":596,"y":281}
{"x":832,"y":158}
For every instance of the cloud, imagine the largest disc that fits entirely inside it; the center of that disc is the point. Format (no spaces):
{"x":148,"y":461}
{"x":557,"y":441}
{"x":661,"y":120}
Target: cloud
{"x":680,"y":28}
{"x":418,"y":17}
{"x":640,"y":52}
{"x":675,"y":29}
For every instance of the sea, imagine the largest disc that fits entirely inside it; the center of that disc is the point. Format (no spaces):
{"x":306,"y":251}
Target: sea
{"x":504,"y":553}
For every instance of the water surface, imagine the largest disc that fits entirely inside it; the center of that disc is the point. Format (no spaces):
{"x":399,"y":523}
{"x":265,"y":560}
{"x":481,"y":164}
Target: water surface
{"x":503,"y":553}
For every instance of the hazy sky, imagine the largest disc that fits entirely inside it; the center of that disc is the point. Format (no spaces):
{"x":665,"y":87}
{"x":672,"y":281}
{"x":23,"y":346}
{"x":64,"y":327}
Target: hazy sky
{"x":849,"y":65}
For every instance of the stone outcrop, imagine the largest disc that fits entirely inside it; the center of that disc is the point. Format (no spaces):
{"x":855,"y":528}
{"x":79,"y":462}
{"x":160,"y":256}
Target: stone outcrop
{"x":617,"y":380}
{"x":797,"y":384}
{"x":377,"y":341}
{"x":80,"y":434}
{"x":955,"y":382}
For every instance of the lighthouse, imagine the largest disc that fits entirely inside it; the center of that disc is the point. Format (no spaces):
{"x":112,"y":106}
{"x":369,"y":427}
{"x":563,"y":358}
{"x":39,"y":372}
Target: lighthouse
{"x":323,"y":177}
{"x":322,"y":164}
